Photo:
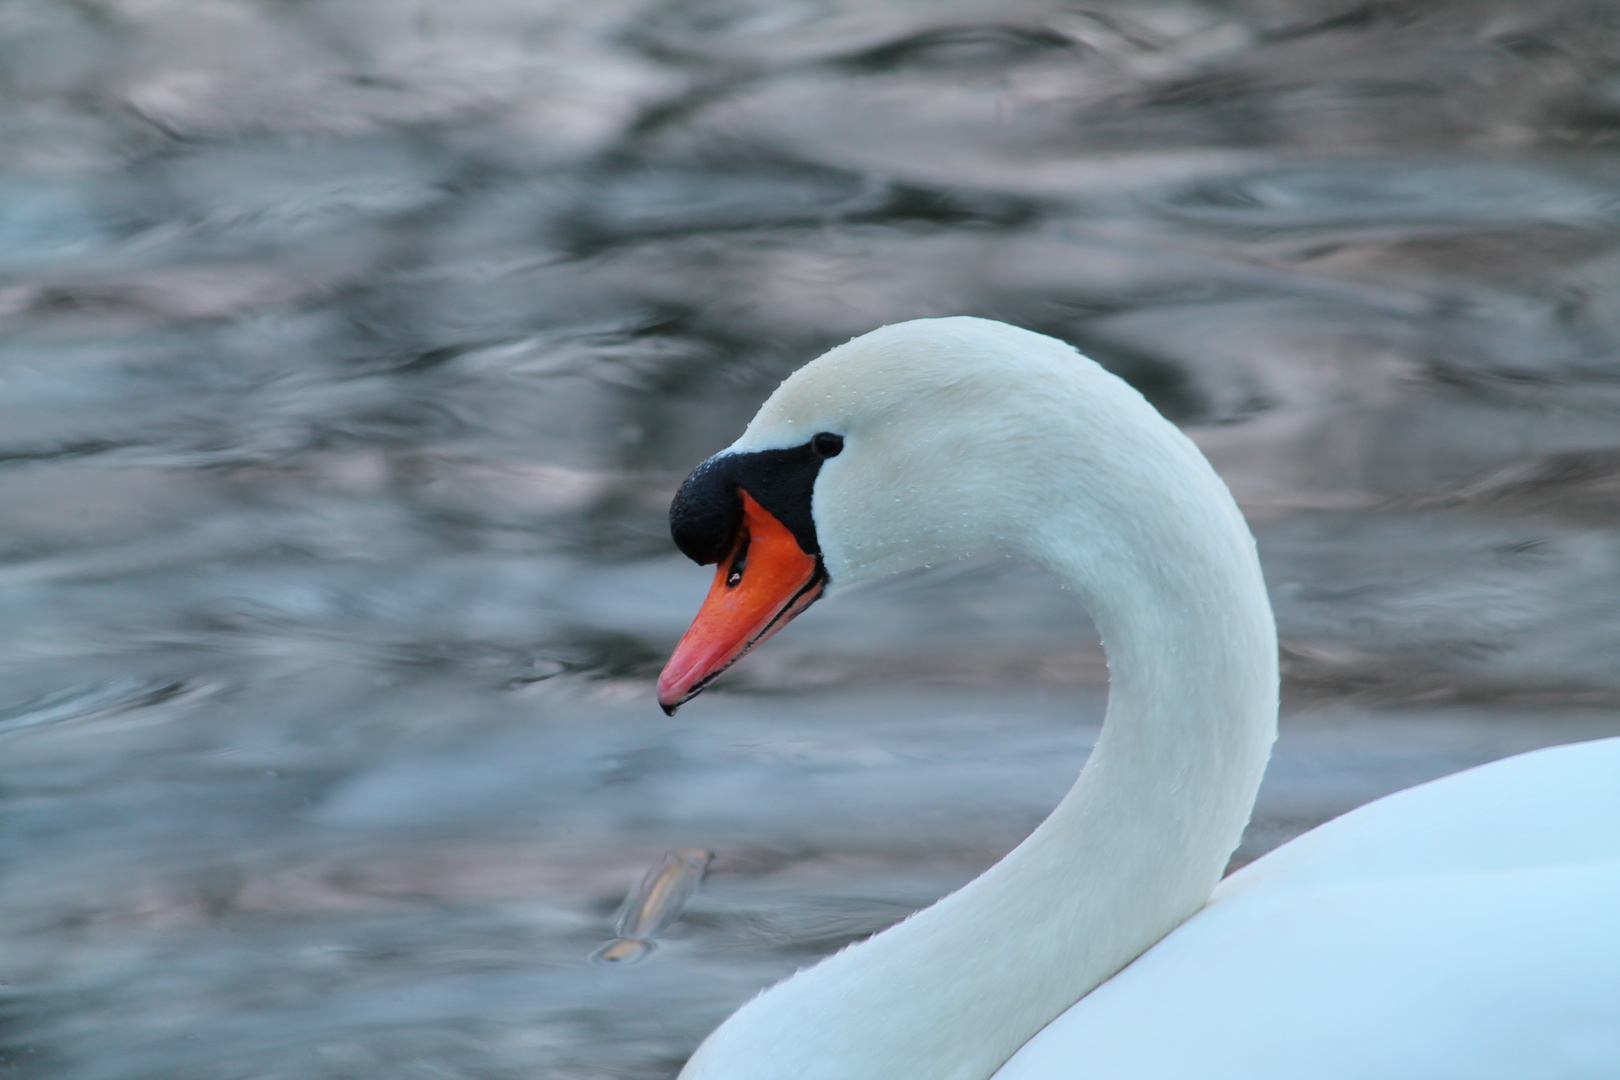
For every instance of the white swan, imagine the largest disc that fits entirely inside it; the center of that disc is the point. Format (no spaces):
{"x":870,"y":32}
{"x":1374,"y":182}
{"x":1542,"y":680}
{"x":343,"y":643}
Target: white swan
{"x":1466,"y":928}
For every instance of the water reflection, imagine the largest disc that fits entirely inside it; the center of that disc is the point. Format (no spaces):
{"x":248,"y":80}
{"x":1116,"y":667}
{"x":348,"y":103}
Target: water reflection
{"x":352,"y":352}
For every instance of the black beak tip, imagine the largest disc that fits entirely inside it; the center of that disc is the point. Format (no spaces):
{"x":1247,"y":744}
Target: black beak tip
{"x":669,"y":710}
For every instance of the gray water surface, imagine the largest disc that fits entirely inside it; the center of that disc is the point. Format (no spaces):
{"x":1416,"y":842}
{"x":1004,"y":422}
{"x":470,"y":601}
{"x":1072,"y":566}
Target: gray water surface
{"x":351,"y":351}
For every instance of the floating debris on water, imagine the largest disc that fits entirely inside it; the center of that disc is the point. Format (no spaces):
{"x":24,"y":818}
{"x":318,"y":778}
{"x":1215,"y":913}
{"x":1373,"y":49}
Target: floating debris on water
{"x":654,"y":905}
{"x":622,"y":951}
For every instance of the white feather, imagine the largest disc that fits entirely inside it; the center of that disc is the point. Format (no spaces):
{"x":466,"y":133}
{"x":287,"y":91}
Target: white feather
{"x":964,"y":436}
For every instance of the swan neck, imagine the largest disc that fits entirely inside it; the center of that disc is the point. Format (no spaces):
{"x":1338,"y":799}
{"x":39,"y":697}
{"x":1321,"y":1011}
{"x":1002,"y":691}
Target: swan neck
{"x":1171,"y":781}
{"x":1073,"y":472}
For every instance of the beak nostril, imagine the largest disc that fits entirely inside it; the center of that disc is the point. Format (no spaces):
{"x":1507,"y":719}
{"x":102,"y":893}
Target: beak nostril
{"x":739,"y":561}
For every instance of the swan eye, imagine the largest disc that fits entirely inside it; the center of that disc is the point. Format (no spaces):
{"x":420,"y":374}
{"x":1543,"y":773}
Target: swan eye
{"x":826,"y":444}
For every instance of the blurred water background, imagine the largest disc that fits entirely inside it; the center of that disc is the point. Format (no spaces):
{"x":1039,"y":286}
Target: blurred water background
{"x":350,"y":351}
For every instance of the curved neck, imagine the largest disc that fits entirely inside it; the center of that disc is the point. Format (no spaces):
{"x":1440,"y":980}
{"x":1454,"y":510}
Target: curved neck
{"x":1135,"y":847}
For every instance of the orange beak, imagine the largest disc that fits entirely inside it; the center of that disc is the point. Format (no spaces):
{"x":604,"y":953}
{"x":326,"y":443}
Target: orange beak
{"x":760,"y":585}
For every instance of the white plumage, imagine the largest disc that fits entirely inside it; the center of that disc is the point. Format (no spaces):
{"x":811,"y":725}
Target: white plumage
{"x":1466,"y":928}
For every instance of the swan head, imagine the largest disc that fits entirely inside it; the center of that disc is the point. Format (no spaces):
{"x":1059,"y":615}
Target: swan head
{"x":917,"y":443}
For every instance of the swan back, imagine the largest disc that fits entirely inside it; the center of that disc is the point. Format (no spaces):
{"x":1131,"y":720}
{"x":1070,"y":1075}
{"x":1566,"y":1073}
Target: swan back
{"x":1466,"y":927}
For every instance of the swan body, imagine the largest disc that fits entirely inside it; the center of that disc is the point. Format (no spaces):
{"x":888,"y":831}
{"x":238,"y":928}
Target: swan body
{"x":943,"y":438}
{"x":1467,"y":928}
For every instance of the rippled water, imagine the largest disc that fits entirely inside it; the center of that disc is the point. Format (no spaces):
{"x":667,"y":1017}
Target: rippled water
{"x":352,"y":350}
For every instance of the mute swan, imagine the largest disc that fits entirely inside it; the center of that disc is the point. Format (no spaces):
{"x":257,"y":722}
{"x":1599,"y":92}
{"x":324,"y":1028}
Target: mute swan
{"x":1466,"y":928}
